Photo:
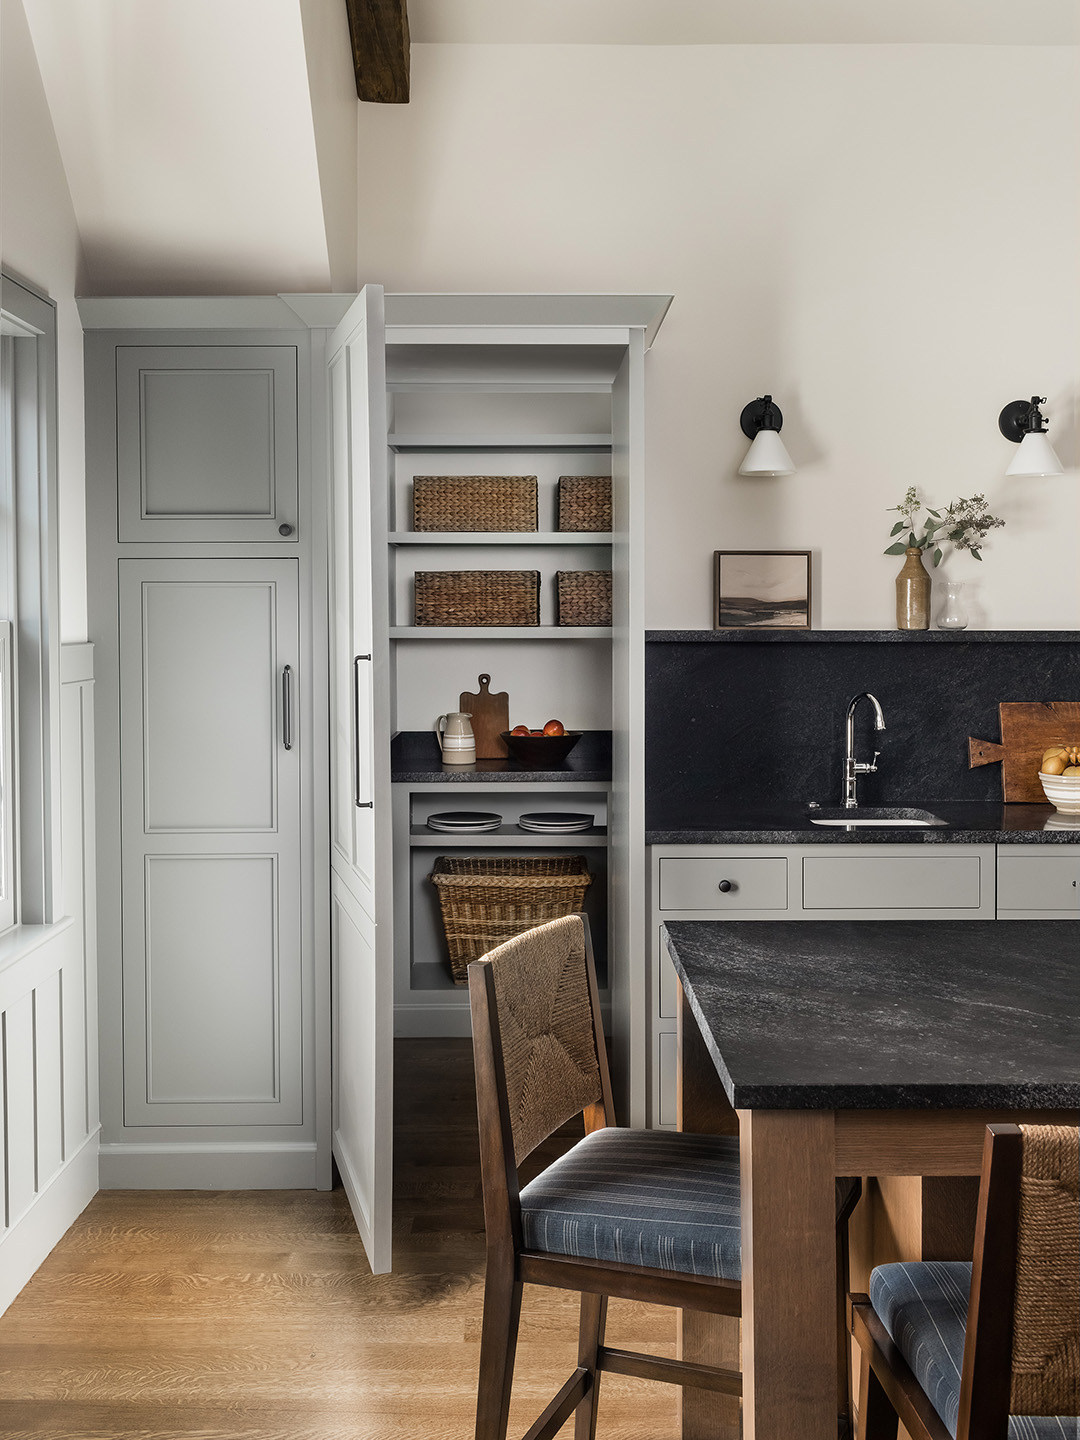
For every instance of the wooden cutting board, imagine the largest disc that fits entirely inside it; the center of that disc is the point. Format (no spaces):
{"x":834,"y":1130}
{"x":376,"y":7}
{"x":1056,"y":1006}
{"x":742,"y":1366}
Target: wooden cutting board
{"x":490,"y":715}
{"x":1027,"y":729}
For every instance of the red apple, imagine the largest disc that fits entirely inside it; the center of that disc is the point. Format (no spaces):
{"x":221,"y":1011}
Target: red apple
{"x":520,"y":730}
{"x":554,"y":727}
{"x":536,"y":732}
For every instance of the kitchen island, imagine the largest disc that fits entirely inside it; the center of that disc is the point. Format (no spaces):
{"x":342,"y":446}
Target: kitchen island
{"x":859,"y":1048}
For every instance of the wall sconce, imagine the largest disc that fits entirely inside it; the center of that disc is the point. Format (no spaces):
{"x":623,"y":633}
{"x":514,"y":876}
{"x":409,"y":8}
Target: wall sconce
{"x":1023,"y":423}
{"x":761,"y":421}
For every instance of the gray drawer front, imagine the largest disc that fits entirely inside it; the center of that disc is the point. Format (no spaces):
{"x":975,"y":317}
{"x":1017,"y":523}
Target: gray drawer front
{"x":1039,"y":882}
{"x":868,"y":882}
{"x":755,"y":884}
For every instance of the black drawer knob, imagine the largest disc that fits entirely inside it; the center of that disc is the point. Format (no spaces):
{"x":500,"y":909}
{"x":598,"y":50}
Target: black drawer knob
{"x":284,"y":530}
{"x":725,"y":886}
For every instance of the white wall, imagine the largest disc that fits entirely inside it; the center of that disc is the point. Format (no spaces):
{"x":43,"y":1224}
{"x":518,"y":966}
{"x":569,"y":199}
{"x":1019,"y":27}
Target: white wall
{"x":883,"y":237}
{"x":48,"y":1068}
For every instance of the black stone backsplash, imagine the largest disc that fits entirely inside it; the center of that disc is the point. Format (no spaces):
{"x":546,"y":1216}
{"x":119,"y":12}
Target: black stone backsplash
{"x":750,"y":720}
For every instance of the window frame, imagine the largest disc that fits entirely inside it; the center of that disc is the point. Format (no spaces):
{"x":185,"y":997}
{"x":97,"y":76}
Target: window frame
{"x":28,"y":353}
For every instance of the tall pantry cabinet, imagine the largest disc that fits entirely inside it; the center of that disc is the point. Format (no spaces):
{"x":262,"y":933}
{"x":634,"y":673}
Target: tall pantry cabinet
{"x":205,"y":555}
{"x":268,"y":925}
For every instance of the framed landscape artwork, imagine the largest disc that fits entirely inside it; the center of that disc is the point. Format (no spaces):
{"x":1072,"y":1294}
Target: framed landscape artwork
{"x":762,"y":590}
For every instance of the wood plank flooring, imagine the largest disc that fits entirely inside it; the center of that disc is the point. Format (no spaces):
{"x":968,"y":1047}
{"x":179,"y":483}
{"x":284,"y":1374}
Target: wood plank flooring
{"x":203,"y":1315}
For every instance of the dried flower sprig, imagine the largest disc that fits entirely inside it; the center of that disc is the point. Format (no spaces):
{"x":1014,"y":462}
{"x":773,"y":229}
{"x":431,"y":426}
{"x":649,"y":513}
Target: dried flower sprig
{"x":964,"y":524}
{"x":968,"y":522}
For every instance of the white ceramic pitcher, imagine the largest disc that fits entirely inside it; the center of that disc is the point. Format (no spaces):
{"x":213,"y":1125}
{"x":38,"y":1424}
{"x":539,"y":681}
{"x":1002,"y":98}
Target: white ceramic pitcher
{"x":455,"y":736}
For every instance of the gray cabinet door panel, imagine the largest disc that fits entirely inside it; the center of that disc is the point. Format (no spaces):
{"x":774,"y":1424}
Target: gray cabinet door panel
{"x":206,"y":442}
{"x":211,"y":858}
{"x":361,"y":849}
{"x":892,"y":882}
{"x":725,"y":883}
{"x":1040,"y":881}
{"x":209,"y":704}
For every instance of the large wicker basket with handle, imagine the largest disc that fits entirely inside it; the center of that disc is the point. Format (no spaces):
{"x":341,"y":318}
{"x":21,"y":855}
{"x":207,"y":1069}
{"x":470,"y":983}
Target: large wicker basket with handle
{"x":486,"y":900}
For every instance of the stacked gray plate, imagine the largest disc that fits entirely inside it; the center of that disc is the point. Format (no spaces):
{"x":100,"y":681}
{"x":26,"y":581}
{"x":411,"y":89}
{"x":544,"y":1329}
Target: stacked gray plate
{"x":556,"y":822}
{"x":464,"y":822}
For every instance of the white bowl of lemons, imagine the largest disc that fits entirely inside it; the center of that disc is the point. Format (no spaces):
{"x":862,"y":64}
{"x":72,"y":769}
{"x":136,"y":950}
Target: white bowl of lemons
{"x":1059,"y":774}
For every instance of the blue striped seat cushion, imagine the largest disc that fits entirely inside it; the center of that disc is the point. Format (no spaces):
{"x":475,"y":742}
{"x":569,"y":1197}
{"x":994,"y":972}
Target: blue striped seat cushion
{"x":923,"y":1306}
{"x":641,"y":1197}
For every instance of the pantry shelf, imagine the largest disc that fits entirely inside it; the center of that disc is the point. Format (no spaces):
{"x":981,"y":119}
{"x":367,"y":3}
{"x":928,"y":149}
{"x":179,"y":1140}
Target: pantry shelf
{"x":500,"y":537}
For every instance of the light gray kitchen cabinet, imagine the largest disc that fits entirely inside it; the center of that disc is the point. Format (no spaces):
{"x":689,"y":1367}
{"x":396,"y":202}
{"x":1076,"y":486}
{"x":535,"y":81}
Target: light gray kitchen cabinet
{"x":800,"y":882}
{"x":206,"y":442}
{"x":211,"y":774}
{"x":361,"y":878}
{"x":1038,"y":882}
{"x":210,"y":840}
{"x":743,"y":882}
{"x":914,"y":881}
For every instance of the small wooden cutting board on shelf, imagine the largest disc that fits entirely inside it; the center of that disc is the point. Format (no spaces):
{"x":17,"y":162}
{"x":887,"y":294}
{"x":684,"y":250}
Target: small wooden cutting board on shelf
{"x":1027,"y":729}
{"x":490,"y":717}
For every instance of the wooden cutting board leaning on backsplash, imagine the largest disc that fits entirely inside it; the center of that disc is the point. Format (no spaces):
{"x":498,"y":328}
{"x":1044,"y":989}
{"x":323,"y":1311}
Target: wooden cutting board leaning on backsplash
{"x":490,"y":716}
{"x":1027,"y":729}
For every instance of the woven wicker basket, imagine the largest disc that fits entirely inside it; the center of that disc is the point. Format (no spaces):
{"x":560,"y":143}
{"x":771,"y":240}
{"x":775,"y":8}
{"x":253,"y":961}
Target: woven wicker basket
{"x":474,"y":502}
{"x":486,"y":900}
{"x":477,"y":597}
{"x":584,"y":597}
{"x":585,"y":502}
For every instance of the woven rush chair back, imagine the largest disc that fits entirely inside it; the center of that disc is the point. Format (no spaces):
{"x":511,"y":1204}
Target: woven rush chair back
{"x":537,"y":993}
{"x":1022,"y":1346}
{"x":1046,"y":1310}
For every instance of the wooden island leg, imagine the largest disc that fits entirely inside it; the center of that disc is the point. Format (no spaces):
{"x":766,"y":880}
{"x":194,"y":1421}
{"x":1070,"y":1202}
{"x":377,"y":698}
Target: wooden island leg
{"x":789,"y":1274}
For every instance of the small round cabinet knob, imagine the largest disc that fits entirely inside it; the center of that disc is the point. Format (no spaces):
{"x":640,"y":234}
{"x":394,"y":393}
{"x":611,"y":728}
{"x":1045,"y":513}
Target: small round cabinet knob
{"x":725,"y":886}
{"x":284,"y":529}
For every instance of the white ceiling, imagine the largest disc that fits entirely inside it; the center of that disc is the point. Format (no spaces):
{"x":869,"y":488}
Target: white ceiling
{"x":188,"y":140}
{"x":210,"y":145}
{"x":734,"y":22}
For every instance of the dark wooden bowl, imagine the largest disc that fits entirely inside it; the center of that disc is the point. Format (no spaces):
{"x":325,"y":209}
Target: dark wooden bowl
{"x":541,"y":752}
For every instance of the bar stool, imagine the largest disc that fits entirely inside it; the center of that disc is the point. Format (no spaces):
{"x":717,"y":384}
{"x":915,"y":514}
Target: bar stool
{"x":989,"y":1350}
{"x":649,"y":1215}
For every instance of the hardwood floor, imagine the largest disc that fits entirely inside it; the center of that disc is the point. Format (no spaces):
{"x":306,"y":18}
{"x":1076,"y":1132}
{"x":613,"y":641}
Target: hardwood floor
{"x":202,"y":1315}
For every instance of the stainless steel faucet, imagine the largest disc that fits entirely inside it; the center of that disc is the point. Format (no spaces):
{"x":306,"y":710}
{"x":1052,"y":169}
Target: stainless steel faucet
{"x":854,"y":768}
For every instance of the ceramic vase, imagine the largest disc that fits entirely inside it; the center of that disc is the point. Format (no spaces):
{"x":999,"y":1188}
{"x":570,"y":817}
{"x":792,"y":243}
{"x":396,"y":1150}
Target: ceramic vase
{"x":913,"y":593}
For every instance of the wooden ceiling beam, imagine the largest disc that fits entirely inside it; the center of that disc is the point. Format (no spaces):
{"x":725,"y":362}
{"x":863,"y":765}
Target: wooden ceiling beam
{"x":379,"y":30}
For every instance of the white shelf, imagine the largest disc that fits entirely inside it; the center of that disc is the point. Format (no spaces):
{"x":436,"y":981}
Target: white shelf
{"x":507,"y":837}
{"x":500,"y":537}
{"x":447,"y":440}
{"x":500,"y":632}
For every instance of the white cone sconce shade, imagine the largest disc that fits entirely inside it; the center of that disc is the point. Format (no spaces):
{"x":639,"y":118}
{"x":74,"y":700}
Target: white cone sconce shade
{"x":1023,"y":423}
{"x":761,"y":421}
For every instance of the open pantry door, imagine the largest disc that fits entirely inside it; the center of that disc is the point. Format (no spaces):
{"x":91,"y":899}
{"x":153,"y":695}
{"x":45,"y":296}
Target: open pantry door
{"x":361,"y":877}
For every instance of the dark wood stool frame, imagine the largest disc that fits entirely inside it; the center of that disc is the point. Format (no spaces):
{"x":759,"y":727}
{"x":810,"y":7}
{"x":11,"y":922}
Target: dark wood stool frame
{"x":510,"y":1265}
{"x":889,"y":1391}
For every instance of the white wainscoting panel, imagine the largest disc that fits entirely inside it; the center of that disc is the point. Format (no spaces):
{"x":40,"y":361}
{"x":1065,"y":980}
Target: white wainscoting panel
{"x":48,"y":1058}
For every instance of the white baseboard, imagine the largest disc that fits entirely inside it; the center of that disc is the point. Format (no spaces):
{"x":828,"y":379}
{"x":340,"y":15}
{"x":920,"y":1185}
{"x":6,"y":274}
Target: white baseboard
{"x":48,"y":1219}
{"x":431,"y":1021}
{"x":238,"y":1165}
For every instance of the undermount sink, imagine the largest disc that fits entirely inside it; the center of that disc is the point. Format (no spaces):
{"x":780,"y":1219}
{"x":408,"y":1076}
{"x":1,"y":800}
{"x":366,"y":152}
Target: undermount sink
{"x":875,"y":817}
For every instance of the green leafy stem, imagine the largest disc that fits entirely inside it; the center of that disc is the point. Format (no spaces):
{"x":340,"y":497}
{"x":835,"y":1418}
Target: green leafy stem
{"x":964,"y":524}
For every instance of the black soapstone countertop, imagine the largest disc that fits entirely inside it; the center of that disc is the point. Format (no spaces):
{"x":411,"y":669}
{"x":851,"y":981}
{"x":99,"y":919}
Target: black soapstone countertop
{"x":415,"y":759}
{"x":897,"y":1014}
{"x":705,"y":821}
